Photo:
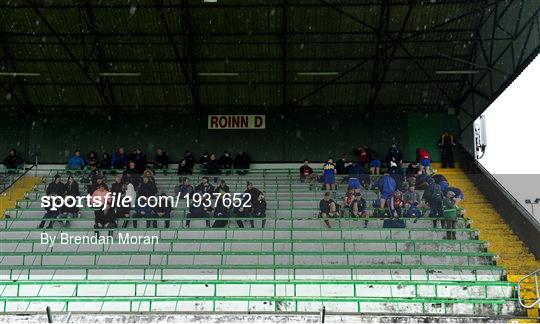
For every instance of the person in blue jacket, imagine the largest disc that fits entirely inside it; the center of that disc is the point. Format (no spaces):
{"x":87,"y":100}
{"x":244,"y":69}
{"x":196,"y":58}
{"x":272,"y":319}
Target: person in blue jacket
{"x":119,"y":159}
{"x":387,"y":187}
{"x":76,"y":161}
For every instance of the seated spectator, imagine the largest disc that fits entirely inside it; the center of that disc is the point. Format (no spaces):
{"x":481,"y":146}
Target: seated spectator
{"x":184,"y":188}
{"x":139,"y":158}
{"x":97,"y":181}
{"x":142,"y":210}
{"x":198,"y":211}
{"x":104,"y":218}
{"x":183,"y":168}
{"x":423,"y":181}
{"x":395,"y":155}
{"x":161,"y":161}
{"x":387,"y":186}
{"x":212,"y":166}
{"x":116,"y":186}
{"x":56,"y":186}
{"x":76,"y":161}
{"x":307,"y":175}
{"x":396,"y":204}
{"x":71,"y":190}
{"x":49,"y":215}
{"x":92,"y":158}
{"x":342,"y":165}
{"x":119,"y":159}
{"x":413,"y":169}
{"x":248,"y":197}
{"x":411,"y":197}
{"x":150,"y":175}
{"x":124,"y":212}
{"x":187,"y":163}
{"x":222,"y":212}
{"x":205,"y":186}
{"x":327,"y":208}
{"x":163,"y":211}
{"x":225,"y":162}
{"x":13,"y":161}
{"x":329,"y":172}
{"x":147,"y":188}
{"x":455,"y":194}
{"x":258,"y":210}
{"x":425,"y":160}
{"x":242,"y":162}
{"x":222,"y":187}
{"x":441,"y":180}
{"x":105,"y":162}
{"x":203,"y":161}
{"x":349,"y":206}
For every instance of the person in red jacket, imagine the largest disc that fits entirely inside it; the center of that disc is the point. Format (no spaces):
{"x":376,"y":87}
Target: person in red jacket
{"x":424,"y":159}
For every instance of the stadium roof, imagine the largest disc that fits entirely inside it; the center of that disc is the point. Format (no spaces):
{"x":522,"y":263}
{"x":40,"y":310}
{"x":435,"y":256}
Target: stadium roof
{"x":261,"y":55}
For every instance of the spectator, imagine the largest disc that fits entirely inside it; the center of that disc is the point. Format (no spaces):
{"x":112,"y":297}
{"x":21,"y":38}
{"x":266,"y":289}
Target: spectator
{"x":198,"y":211}
{"x":441,"y":180}
{"x":450,"y":218}
{"x":212,"y":166}
{"x":147,"y":188}
{"x":105,"y":162}
{"x":456,"y":193}
{"x":125,"y":211}
{"x":446,"y":145}
{"x":92,"y":158}
{"x":350,"y":208}
{"x":361,"y":207}
{"x":204,"y":186}
{"x":76,"y":161}
{"x":183,"y":168}
{"x":364,"y":156}
{"x":119,"y":159}
{"x":425,"y":160}
{"x":104,"y":218}
{"x":223,"y":187}
{"x":133,"y":175}
{"x":142,"y":210}
{"x":189,"y":162}
{"x":150,"y":175}
{"x":225,"y":162}
{"x":222,"y":212}
{"x":203,"y":161}
{"x":396,"y":204}
{"x":258,"y":210}
{"x":354,"y":176}
{"x":97,"y":181}
{"x":161,"y":161}
{"x":139,"y":158}
{"x":327,"y":208}
{"x":13,"y":161}
{"x":375,"y":165}
{"x":49,"y":215}
{"x":387,"y":187}
{"x":329,"y":172}
{"x":413,"y":169}
{"x":71,"y":190}
{"x":307,"y":175}
{"x":116,"y":187}
{"x":56,"y":187}
{"x":394,"y":155}
{"x":162,"y":210}
{"x":434,"y":198}
{"x":184,"y":188}
{"x":242,"y":162}
{"x":342,"y":165}
{"x":411,"y":197}
{"x":249,"y":195}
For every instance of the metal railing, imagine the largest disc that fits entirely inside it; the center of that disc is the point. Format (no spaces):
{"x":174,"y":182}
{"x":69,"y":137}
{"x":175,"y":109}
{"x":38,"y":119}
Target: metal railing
{"x":521,"y":282}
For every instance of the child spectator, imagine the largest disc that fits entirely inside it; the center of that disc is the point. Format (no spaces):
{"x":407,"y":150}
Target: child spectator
{"x":307,"y":175}
{"x":161,"y":161}
{"x":242,"y":163}
{"x":76,"y":161}
{"x":425,"y":160}
{"x":13,"y":161}
{"x":119,"y":159}
{"x":163,"y":210}
{"x":396,"y":204}
{"x":329,"y":172}
{"x":327,"y":208}
{"x":258,"y":210}
{"x":350,"y":208}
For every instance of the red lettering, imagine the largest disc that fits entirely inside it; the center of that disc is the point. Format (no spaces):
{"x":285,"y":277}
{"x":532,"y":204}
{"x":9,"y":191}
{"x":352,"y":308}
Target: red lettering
{"x":223,"y":122}
{"x":258,"y":121}
{"x":244,"y":121}
{"x":213,"y":122}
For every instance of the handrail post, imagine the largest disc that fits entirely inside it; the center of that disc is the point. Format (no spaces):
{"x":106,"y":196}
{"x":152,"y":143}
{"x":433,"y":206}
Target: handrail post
{"x":520,"y":282}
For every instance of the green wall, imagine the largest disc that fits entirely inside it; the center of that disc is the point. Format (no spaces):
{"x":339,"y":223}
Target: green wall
{"x":301,"y":135}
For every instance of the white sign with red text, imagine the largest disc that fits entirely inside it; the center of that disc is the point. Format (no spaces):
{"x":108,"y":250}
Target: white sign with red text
{"x":236,"y":122}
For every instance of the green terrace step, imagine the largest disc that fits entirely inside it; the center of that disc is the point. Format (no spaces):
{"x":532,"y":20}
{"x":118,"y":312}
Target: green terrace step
{"x":496,"y":306}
